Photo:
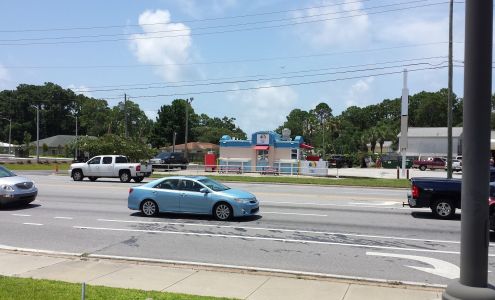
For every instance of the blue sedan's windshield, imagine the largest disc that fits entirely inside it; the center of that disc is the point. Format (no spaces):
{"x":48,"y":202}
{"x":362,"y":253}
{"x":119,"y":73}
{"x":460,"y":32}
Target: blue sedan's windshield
{"x":214,"y":185}
{"x":5,"y":173}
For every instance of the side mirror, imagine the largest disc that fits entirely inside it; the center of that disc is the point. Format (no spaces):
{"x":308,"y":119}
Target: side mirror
{"x":204,"y":190}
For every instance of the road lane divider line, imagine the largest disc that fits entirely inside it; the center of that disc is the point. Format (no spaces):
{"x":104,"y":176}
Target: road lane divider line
{"x":21,"y":215}
{"x":64,"y":218}
{"x":34,"y":224}
{"x":295,"y":214}
{"x":282,"y":230}
{"x":299,"y":241}
{"x":331,"y":204}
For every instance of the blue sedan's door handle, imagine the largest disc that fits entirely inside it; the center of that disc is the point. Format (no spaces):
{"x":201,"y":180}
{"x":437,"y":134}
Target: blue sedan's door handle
{"x":183,"y":195}
{"x":154,"y":192}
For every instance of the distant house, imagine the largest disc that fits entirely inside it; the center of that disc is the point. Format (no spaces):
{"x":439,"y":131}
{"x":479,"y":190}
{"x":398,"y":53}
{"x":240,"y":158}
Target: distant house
{"x":4,"y":148}
{"x":432,"y":141}
{"x":195,"y":150}
{"x":387,"y":147}
{"x":56,"y":145}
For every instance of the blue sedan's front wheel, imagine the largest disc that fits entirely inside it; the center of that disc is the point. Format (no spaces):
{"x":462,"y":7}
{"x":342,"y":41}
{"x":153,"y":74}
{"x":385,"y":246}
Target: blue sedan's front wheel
{"x":222,"y":211}
{"x":149,"y":208}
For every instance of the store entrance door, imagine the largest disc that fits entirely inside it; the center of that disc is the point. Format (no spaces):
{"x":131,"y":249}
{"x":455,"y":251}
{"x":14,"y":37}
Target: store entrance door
{"x":261,"y":160}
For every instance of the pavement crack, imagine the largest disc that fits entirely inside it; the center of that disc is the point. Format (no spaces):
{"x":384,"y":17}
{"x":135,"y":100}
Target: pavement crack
{"x":259,"y":287}
{"x":195,"y":272}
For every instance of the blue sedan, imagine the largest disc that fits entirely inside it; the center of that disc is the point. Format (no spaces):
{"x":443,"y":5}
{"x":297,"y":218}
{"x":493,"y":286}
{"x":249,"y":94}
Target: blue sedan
{"x":192,"y":195}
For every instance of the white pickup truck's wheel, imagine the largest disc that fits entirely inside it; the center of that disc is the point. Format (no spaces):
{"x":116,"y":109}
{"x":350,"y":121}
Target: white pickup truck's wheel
{"x":125,"y":176}
{"x":77,"y":175}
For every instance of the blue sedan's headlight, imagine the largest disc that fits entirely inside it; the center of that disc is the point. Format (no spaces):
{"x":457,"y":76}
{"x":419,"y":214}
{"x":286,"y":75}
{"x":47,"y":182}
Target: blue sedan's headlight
{"x":6,"y":188}
{"x":239,"y":200}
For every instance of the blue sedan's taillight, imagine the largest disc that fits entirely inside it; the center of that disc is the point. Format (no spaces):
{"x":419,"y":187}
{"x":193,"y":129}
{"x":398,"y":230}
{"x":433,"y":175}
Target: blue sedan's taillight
{"x":130,"y":190}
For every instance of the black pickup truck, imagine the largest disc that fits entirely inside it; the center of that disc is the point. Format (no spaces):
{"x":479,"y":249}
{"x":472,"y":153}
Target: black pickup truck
{"x":443,"y":196}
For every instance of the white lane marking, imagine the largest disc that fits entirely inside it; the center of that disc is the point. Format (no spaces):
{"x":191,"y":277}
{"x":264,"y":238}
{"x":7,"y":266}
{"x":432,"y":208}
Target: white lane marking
{"x":295,"y":214}
{"x":282,"y":230}
{"x":270,"y":239}
{"x":21,"y":215}
{"x":440,"y":267}
{"x":34,"y":224}
{"x":64,"y":218}
{"x":384,"y":203}
{"x":329,"y":204}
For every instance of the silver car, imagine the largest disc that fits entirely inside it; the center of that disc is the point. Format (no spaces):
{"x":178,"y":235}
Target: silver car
{"x":16,"y":189}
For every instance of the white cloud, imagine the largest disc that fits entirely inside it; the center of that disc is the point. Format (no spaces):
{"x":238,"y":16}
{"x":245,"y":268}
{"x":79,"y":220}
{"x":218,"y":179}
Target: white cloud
{"x":4,"y":77}
{"x":196,"y":8}
{"x":264,"y":108}
{"x":358,"y":92}
{"x":81,"y":89}
{"x":334,"y":32}
{"x":413,"y":30}
{"x":170,"y":52}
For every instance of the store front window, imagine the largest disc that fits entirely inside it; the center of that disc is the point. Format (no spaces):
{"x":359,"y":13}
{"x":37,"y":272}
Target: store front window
{"x":262,"y":155}
{"x":294,"y":154}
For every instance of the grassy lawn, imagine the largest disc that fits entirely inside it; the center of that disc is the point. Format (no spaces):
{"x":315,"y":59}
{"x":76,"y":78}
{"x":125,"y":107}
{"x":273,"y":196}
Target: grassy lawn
{"x":28,"y":289}
{"x":367,"y":182}
{"x":35,"y":166}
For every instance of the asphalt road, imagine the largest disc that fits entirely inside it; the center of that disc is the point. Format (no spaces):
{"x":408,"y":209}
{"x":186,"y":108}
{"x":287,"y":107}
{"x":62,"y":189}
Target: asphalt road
{"x":354,"y":232}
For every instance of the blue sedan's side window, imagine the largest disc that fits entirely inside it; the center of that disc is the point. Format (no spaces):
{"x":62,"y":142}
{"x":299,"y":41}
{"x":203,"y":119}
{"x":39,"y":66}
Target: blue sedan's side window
{"x":189,"y":185}
{"x":170,"y":184}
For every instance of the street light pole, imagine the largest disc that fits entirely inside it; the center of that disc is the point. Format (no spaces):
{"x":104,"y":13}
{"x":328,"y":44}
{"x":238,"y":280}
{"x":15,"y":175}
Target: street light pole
{"x":188,"y":101}
{"x":37,"y":132}
{"x":10,"y":131}
{"x":473,"y":281}
{"x":449,"y":97}
{"x":173,"y":141}
{"x":77,"y":141}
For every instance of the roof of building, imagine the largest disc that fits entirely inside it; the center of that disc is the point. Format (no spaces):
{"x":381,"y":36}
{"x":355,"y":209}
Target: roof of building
{"x":194,"y":147}
{"x":56,"y":140}
{"x":432,"y":132}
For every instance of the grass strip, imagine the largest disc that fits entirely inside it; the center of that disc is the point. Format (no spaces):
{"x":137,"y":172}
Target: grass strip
{"x":40,"y":289}
{"x":35,"y":166}
{"x":355,"y":181}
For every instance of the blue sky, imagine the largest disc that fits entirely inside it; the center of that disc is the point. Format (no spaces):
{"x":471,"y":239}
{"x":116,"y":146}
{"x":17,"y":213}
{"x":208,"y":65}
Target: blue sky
{"x":251,"y":60}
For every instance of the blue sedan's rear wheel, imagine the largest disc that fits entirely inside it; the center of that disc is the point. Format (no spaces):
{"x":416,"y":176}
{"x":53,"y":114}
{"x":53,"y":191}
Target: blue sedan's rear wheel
{"x":222,"y":211}
{"x":149,"y":208}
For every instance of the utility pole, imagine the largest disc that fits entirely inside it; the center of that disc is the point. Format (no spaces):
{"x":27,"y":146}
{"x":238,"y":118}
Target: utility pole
{"x":37,"y":132}
{"x":473,"y":282}
{"x":173,"y":141}
{"x":125,"y":114}
{"x":449,"y":97}
{"x":404,"y":122}
{"x":188,"y":101}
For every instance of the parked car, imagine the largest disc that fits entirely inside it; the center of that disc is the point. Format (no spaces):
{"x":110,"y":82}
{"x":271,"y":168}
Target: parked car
{"x":167,"y":160}
{"x":429,"y":163}
{"x":456,"y":165}
{"x":16,"y":190}
{"x":441,"y":195}
{"x":339,"y":161}
{"x":192,"y":195}
{"x":110,"y":166}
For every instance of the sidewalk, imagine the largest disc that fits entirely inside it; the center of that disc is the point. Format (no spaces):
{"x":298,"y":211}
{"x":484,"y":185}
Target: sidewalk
{"x":198,"y":280}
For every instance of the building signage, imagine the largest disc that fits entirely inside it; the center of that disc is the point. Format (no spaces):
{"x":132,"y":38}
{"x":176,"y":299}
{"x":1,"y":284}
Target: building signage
{"x":262,"y":139}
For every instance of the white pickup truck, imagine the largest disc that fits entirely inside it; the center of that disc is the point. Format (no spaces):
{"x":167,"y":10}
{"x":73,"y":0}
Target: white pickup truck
{"x":110,"y":166}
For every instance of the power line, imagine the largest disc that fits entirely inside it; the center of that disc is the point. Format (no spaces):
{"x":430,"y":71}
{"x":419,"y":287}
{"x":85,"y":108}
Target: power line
{"x":277,"y":86}
{"x":179,"y":21}
{"x":216,"y":32}
{"x":235,"y":61}
{"x":208,"y":27}
{"x":271,"y":78}
{"x":259,"y":75}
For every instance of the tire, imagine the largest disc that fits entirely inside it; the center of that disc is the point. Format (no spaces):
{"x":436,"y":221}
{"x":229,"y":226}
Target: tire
{"x":149,"y":208}
{"x":92,"y":178}
{"x":138,"y":179}
{"x":223,"y":211}
{"x":422,"y":168}
{"x":125,"y":176}
{"x":443,"y":209}
{"x":77,"y":175}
